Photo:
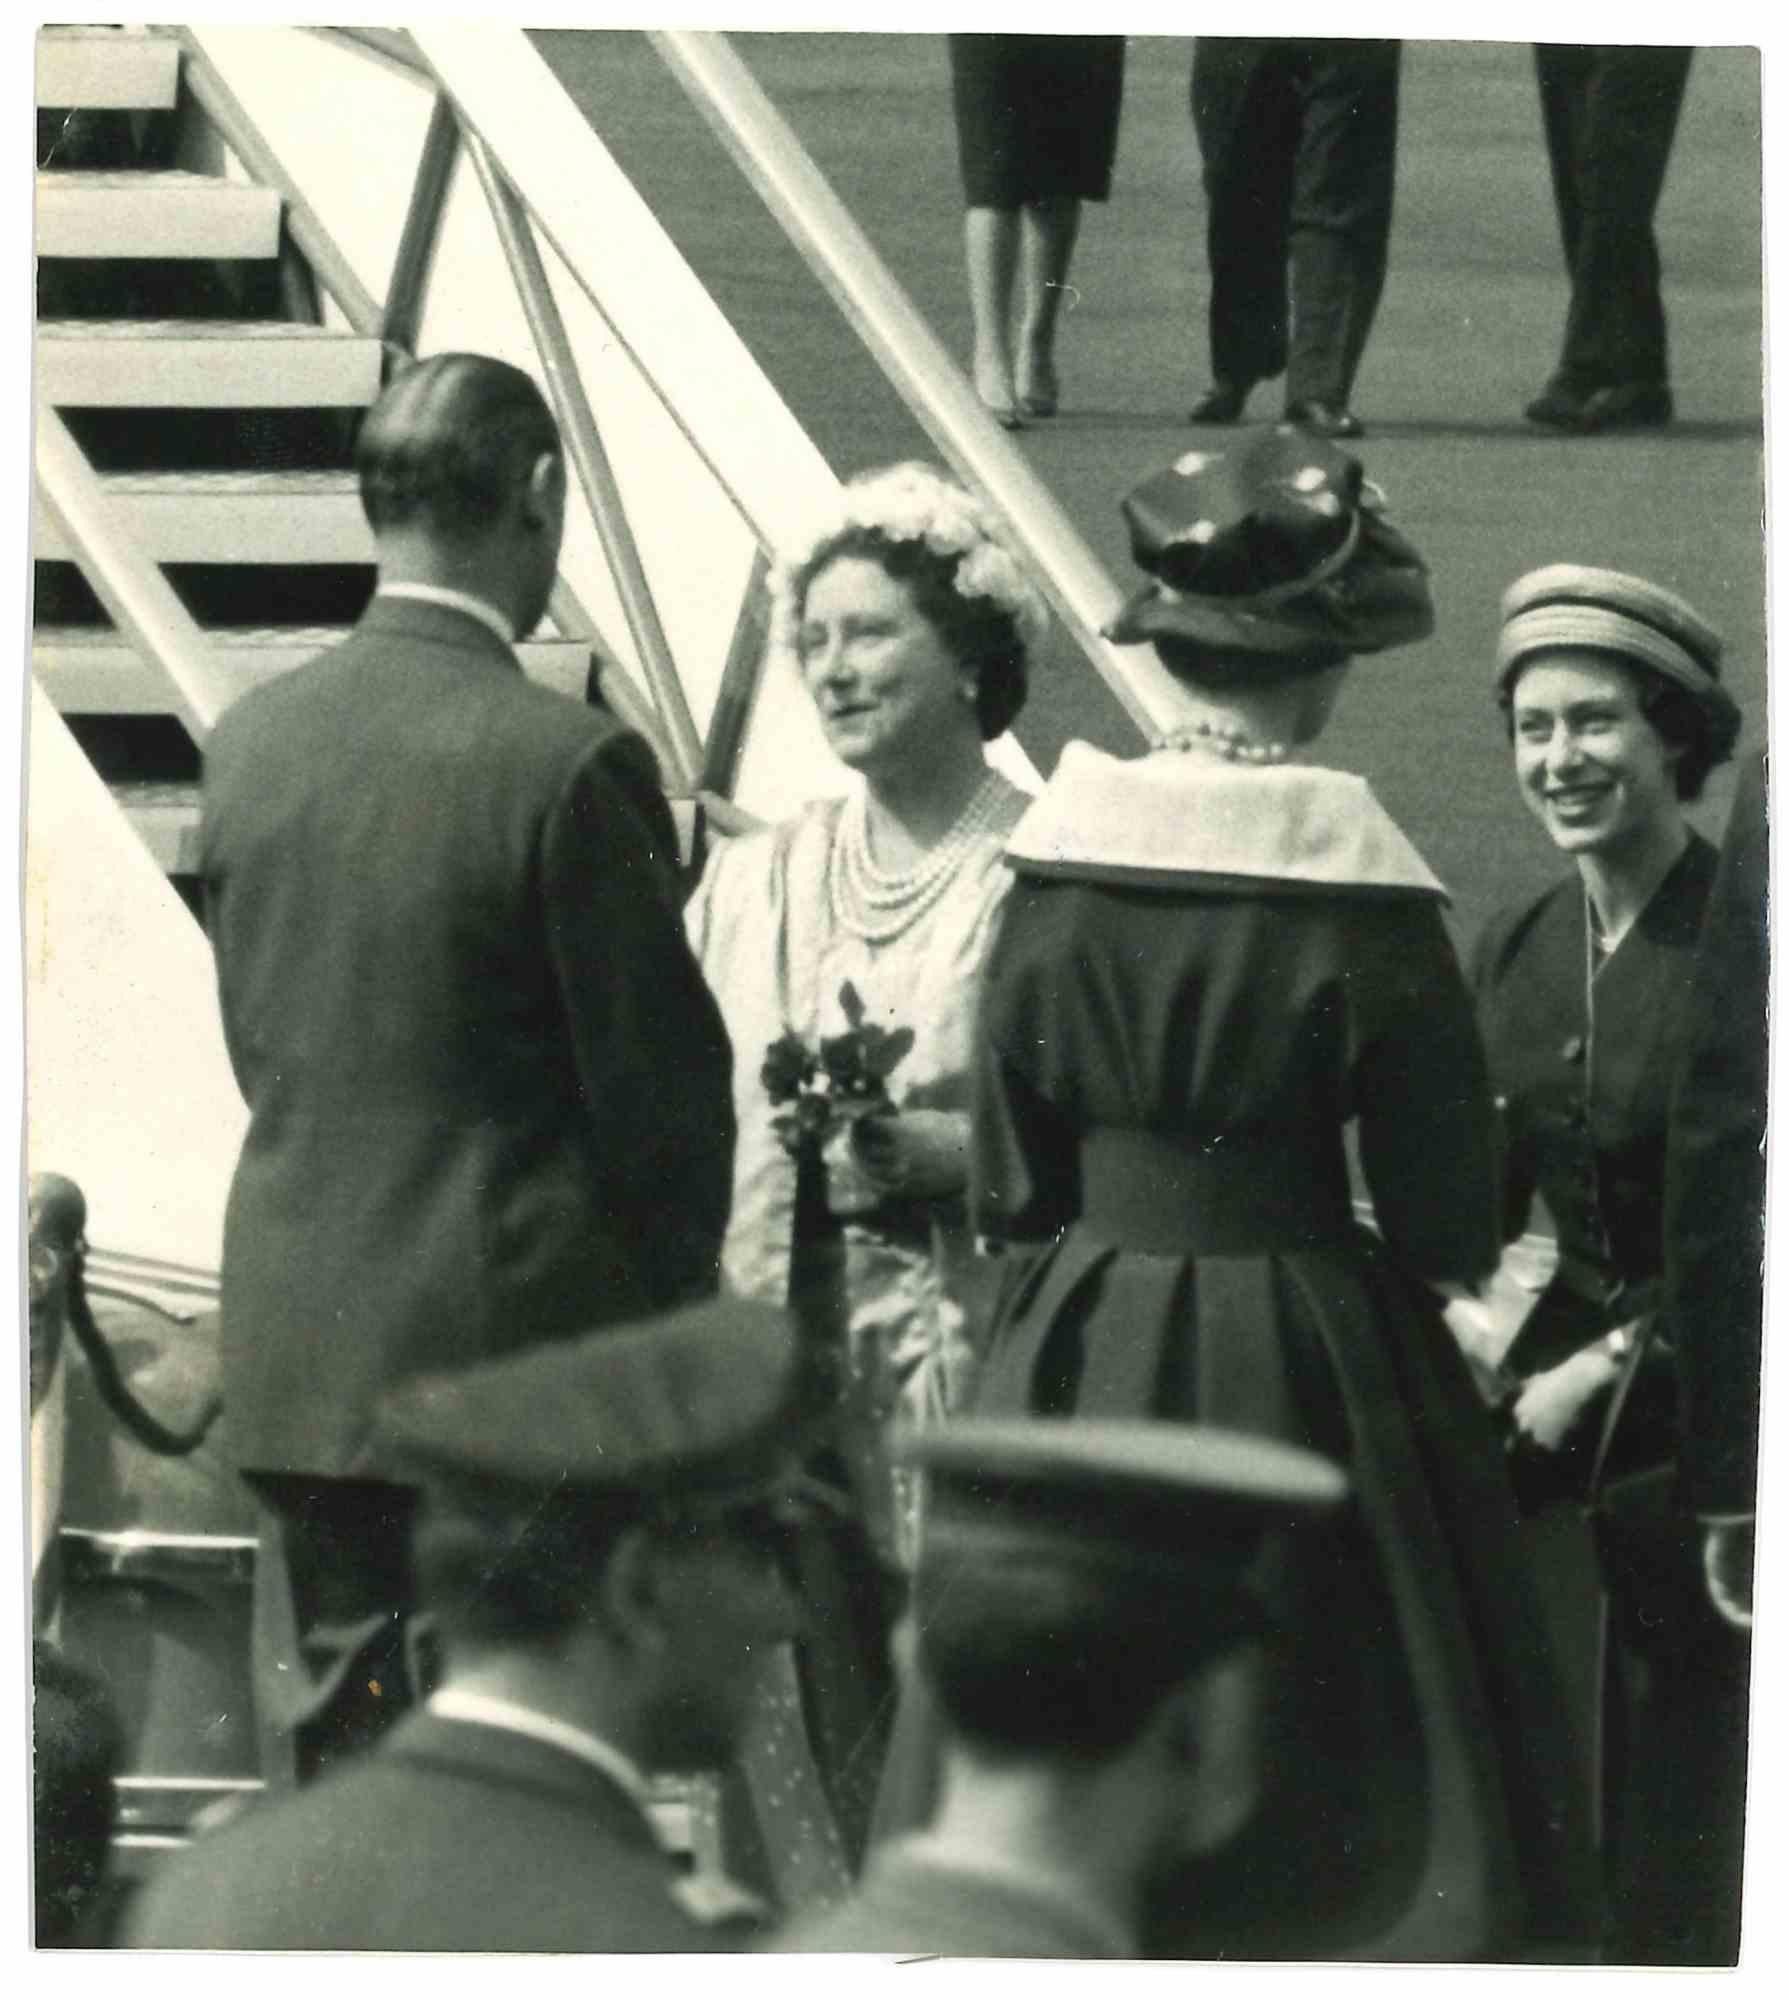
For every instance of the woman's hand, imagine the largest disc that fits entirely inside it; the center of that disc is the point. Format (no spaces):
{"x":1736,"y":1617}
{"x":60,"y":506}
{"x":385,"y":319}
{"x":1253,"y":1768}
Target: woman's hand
{"x":1551,"y":1403}
{"x":924,"y":1153}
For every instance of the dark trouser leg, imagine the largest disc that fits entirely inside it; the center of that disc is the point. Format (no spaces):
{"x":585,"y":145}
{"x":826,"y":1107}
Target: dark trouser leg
{"x":1244,"y":117}
{"x":1341,"y":213}
{"x":1610,"y":116}
{"x":334,"y":1663}
{"x":1676,"y":1833}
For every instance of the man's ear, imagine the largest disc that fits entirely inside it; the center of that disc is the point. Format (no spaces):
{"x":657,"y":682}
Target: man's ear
{"x":630,"y":1599}
{"x":543,"y":492}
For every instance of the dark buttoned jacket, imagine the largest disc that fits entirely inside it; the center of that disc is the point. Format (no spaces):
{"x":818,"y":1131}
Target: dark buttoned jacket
{"x":1714,"y":1187}
{"x":1584,"y":1071}
{"x":450,"y":1837}
{"x":489,"y":1093}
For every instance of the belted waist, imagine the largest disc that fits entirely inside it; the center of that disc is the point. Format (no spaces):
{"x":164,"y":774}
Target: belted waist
{"x":1235,"y":1195}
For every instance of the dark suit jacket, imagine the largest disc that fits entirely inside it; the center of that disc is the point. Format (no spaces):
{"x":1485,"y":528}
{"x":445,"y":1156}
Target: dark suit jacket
{"x":1584,"y":1113}
{"x":489,"y":1094}
{"x":908,"y":1904}
{"x":450,"y":1837}
{"x":1714,"y":1175}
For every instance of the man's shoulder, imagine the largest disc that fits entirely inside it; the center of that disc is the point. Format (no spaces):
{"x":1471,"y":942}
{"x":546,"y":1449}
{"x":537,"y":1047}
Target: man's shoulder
{"x":397,"y":1853}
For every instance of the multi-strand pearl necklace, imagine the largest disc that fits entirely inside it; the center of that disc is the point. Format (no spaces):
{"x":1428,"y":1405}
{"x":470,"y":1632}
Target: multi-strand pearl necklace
{"x":1224,"y":740}
{"x":877,"y":907}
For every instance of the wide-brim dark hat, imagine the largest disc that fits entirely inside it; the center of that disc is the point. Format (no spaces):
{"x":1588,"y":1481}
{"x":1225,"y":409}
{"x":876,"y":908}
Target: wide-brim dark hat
{"x":1279,"y":547}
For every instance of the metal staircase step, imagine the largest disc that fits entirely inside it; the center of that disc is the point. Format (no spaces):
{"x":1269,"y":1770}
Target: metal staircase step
{"x":86,"y":671}
{"x":107,"y":69}
{"x":166,"y":817}
{"x":230,"y":517}
{"x":165,"y":213}
{"x":214,"y":364}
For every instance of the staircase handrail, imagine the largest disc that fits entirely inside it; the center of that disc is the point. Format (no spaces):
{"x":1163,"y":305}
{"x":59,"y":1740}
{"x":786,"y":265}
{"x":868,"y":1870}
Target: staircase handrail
{"x":917,"y":364}
{"x":131,"y":586}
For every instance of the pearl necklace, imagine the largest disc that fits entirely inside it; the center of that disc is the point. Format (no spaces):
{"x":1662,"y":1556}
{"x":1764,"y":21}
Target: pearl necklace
{"x":878,"y":907}
{"x":1224,"y":740}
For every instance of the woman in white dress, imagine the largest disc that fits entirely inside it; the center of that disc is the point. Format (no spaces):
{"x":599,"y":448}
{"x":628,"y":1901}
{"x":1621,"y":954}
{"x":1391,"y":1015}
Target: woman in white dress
{"x":911,"y":623}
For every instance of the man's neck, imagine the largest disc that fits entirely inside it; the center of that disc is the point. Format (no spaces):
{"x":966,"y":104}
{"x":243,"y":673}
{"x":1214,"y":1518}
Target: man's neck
{"x":414,"y":561}
{"x":562,"y":1688}
{"x":1086,"y":1833}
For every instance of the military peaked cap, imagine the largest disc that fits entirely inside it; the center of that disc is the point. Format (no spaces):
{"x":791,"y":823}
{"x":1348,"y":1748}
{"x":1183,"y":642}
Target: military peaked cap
{"x":1185,"y":1502}
{"x":707,"y":1401}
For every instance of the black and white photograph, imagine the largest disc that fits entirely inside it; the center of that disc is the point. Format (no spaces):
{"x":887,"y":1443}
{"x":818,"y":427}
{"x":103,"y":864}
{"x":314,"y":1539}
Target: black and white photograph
{"x":895,"y":970}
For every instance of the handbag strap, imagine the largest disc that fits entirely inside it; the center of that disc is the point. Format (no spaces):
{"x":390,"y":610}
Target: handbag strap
{"x":1644,"y":1331}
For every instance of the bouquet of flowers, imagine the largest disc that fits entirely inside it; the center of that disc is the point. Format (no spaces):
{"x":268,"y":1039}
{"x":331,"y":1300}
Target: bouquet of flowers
{"x":828,"y":1089}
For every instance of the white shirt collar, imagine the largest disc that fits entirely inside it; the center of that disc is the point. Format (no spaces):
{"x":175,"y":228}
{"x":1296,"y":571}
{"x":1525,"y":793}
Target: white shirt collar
{"x":489,"y":1711}
{"x":487,"y":615}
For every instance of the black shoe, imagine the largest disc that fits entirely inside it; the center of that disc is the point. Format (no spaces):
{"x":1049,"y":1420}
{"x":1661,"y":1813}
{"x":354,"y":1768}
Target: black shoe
{"x":1222,"y":403}
{"x":1324,"y":420}
{"x":1618,"y":406}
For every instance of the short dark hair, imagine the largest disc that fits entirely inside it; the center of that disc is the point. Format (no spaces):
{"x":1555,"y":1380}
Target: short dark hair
{"x":448,"y":442}
{"x":1702,"y":734}
{"x":1039,"y":1657}
{"x":77,"y":1745}
{"x":1221,"y":668}
{"x":507,"y":1576}
{"x":978,"y":632}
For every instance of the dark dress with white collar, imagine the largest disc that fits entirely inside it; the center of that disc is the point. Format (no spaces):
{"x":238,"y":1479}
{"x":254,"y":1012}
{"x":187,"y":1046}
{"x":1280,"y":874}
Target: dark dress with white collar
{"x":1206,"y":974}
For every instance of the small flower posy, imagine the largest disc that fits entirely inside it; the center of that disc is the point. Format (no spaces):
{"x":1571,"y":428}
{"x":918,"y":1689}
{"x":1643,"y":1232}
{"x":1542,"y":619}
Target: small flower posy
{"x":844,"y":1079}
{"x":915,"y":503}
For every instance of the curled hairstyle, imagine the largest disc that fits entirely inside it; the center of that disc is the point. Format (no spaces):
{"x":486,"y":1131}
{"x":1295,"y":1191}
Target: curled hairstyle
{"x":449,"y":442}
{"x":1701,"y":733}
{"x":978,"y":633}
{"x":1036,"y":1657}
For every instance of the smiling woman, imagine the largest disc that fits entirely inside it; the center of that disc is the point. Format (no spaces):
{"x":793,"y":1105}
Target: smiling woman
{"x":1610,"y":687}
{"x":911,"y":624}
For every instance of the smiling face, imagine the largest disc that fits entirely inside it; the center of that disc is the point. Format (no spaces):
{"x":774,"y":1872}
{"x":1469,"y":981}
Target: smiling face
{"x":887,"y":687}
{"x":1593,"y":770}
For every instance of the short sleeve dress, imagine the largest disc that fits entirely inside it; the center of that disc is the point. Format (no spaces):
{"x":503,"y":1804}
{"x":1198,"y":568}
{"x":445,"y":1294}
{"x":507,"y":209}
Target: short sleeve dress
{"x":1206,"y":974}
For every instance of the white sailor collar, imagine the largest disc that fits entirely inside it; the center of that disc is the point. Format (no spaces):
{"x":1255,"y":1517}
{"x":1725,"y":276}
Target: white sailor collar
{"x":1159,"y":819}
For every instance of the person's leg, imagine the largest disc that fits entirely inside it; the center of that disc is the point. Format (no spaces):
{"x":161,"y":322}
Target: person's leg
{"x":1340,"y":215}
{"x":1244,"y":120}
{"x":991,"y":249}
{"x":1046,"y":250}
{"x":1616,"y":330}
{"x":332,"y":1602}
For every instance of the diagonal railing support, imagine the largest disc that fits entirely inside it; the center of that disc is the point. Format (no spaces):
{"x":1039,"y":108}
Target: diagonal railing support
{"x":133,"y":589}
{"x":584,"y":444}
{"x":927,"y":377}
{"x":415,"y":256}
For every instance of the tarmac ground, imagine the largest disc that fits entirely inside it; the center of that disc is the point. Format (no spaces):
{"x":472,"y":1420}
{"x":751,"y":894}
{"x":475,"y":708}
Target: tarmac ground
{"x":1467,"y":332}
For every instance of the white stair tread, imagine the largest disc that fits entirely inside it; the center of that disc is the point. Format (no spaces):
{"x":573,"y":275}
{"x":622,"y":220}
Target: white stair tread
{"x":96,"y":671}
{"x":218,"y":364}
{"x":231,"y":517}
{"x":165,"y":213}
{"x":107,"y":69}
{"x":166,"y":817}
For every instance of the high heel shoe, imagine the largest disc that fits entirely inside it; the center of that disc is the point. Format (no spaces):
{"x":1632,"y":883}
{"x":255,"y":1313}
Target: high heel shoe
{"x":1040,"y":393}
{"x":997,"y":398}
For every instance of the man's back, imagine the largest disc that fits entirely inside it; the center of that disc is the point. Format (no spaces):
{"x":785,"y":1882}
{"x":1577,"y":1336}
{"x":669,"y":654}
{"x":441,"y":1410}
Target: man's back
{"x":449,"y":1838}
{"x":489,"y":1094}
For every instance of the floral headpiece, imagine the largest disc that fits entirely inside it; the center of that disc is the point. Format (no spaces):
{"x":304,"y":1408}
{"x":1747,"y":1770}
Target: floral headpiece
{"x":914,"y":502}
